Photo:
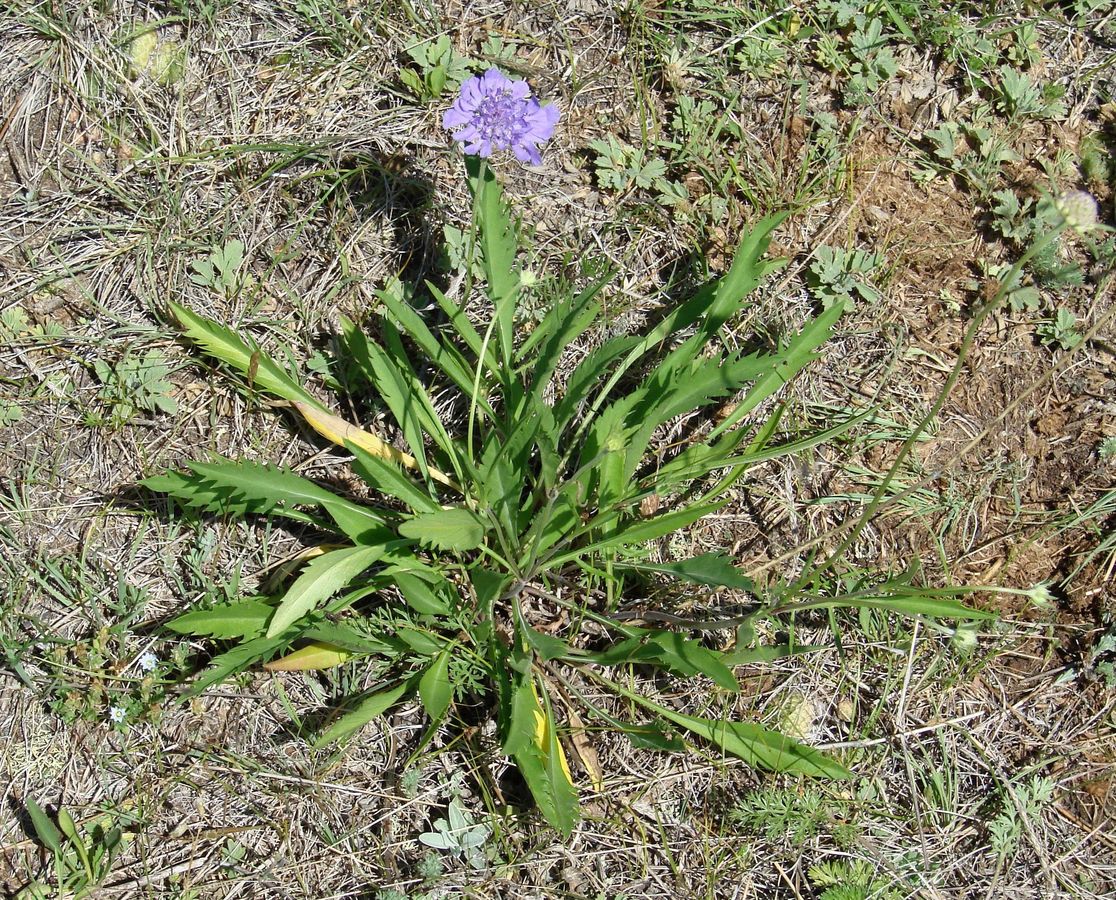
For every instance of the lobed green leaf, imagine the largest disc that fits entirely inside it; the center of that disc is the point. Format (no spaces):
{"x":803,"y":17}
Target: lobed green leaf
{"x":454,"y":528}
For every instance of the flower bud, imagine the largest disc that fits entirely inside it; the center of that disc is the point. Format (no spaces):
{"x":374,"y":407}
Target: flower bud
{"x":1078,"y":208}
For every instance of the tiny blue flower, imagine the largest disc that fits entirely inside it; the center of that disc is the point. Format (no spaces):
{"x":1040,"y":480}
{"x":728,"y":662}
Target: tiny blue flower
{"x":117,"y":714}
{"x":148,"y":661}
{"x":492,"y":112}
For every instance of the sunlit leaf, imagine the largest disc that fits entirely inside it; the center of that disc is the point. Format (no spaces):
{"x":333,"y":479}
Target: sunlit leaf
{"x":238,"y":620}
{"x":321,"y":578}
{"x":447,"y":529}
{"x":45,"y":829}
{"x":315,"y":655}
{"x":532,"y":741}
{"x":420,"y":596}
{"x":224,"y":344}
{"x":758,"y":746}
{"x":497,"y":242}
{"x":261,"y":484}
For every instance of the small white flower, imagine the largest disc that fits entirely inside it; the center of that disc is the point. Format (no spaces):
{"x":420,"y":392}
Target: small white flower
{"x":117,"y":714}
{"x":148,"y":661}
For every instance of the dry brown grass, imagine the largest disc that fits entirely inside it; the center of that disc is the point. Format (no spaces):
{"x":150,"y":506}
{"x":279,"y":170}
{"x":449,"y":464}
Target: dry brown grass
{"x":112,"y":184}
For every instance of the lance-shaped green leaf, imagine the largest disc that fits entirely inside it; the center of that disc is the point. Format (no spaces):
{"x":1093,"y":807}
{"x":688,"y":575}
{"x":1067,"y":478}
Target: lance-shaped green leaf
{"x":349,"y":638}
{"x":531,"y":740}
{"x":456,"y":528}
{"x":465,"y":331}
{"x":906,"y":602}
{"x":435,"y":688}
{"x":643,"y":530}
{"x":312,"y":657}
{"x":651,"y":736}
{"x":237,"y":659}
{"x":758,"y":746}
{"x":673,"y":391}
{"x":498,"y":248}
{"x":388,"y":478}
{"x":589,"y":372}
{"x":714,"y":303}
{"x":752,"y":743}
{"x":367,"y":709}
{"x":798,"y":352}
{"x":744,"y":274}
{"x":199,"y":492}
{"x":422,"y":597}
{"x":247,"y":358}
{"x":320,"y":580}
{"x":699,"y":460}
{"x":260,"y":485}
{"x":670,"y":650}
{"x":237,"y":620}
{"x":391,"y":384}
{"x":44,"y":828}
{"x":444,"y":356}
{"x":77,"y":841}
{"x":566,"y":320}
{"x":713,"y":569}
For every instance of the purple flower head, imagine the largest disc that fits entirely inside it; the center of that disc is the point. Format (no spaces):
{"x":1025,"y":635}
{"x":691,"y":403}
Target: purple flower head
{"x":493,"y":112}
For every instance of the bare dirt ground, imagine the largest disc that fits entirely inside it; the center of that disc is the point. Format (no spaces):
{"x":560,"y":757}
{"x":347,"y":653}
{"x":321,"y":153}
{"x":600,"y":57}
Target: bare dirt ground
{"x":984,"y":760}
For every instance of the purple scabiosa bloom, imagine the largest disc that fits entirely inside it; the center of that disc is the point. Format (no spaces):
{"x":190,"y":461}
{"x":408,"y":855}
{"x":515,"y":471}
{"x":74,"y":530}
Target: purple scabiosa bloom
{"x":493,"y":112}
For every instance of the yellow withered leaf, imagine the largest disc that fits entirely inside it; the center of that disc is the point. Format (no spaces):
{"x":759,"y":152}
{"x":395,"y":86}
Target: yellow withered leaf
{"x":585,"y":750}
{"x":315,"y":655}
{"x":334,"y":428}
{"x":542,"y":737}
